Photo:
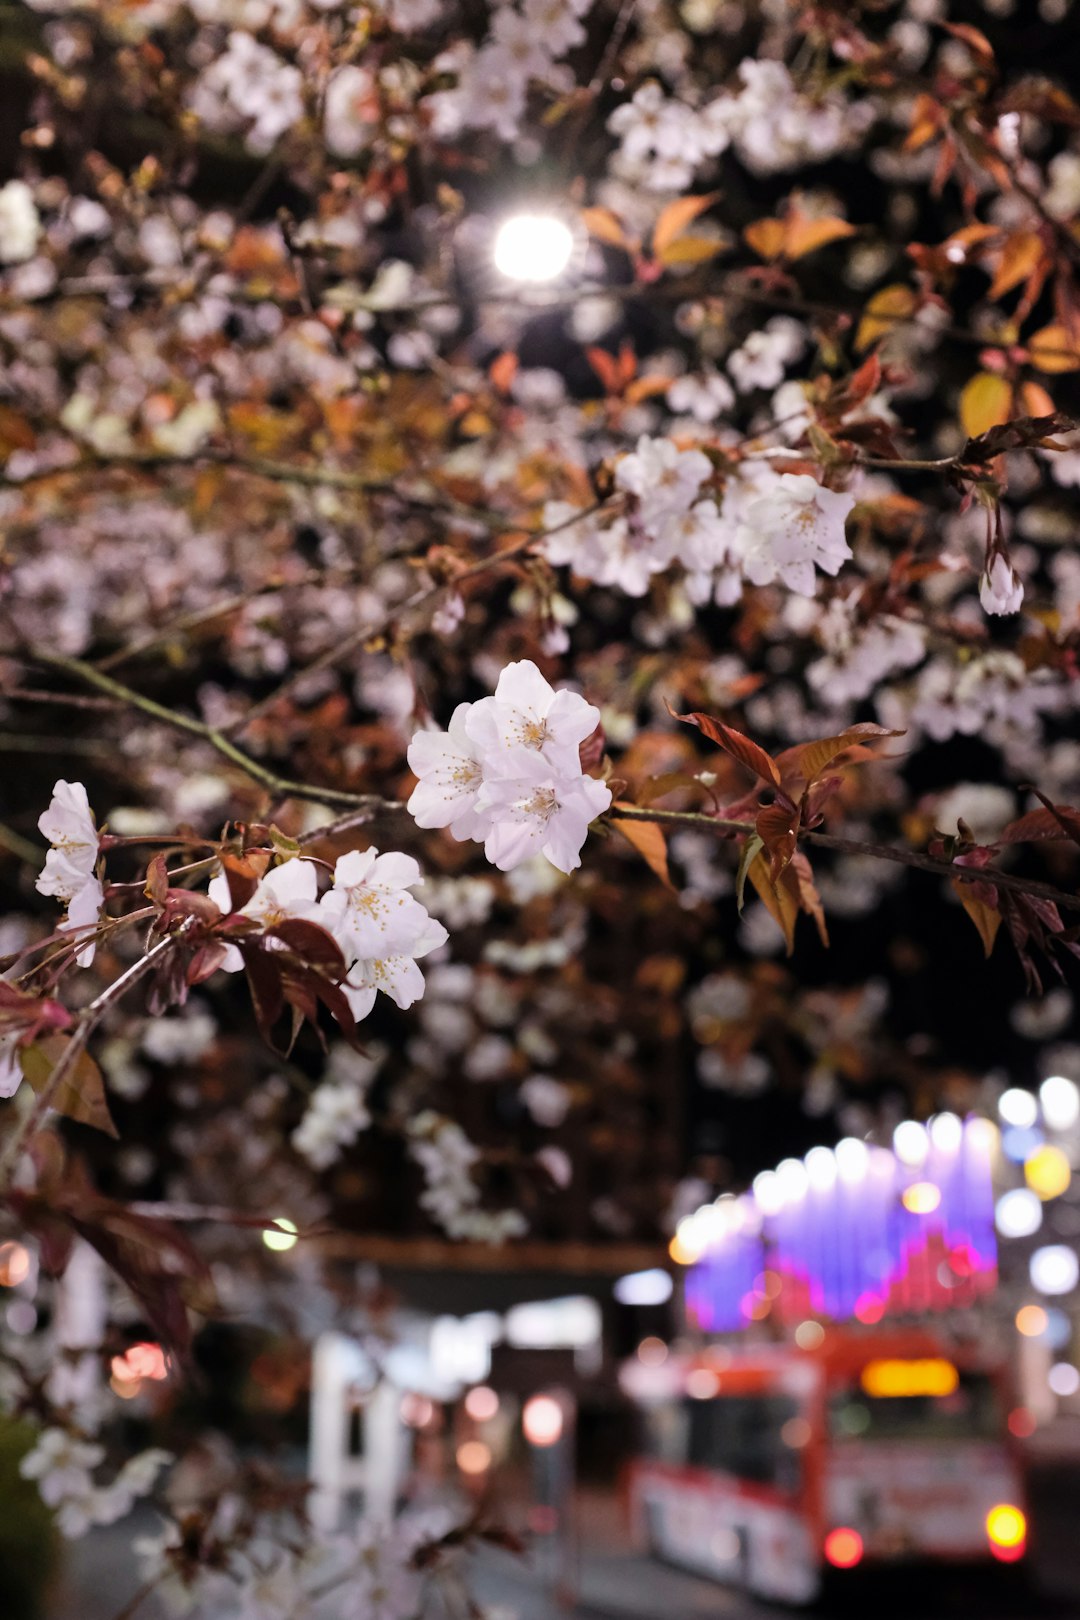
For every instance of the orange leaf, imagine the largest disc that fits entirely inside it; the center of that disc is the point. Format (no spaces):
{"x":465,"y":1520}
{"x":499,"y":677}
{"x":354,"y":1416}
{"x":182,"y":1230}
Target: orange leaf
{"x":605,"y":226}
{"x":676,"y":217}
{"x":804,"y":235}
{"x":986,"y":402}
{"x":778,"y":901}
{"x":973,"y":38}
{"x":986,"y":920}
{"x":766,"y":237}
{"x":1034,"y":400}
{"x":888,"y":307}
{"x":649,"y":841}
{"x":503,"y":370}
{"x":777,"y":826}
{"x":691,"y":250}
{"x":81,"y":1094}
{"x":1052,"y":350}
{"x":808,"y":760}
{"x":1021,"y":255}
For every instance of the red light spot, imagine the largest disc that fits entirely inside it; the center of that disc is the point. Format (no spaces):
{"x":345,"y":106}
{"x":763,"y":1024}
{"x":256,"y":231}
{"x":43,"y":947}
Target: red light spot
{"x":843,"y":1548}
{"x":543,"y":1521}
{"x":1008,"y":1555}
{"x":1021,"y":1423}
{"x":868,"y":1308}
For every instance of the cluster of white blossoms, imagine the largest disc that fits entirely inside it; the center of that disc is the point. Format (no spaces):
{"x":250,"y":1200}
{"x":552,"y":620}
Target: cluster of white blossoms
{"x":382,"y":929}
{"x":770,"y":122}
{"x":507,"y":772}
{"x":337,"y":1109}
{"x":249,"y":88}
{"x":451,"y":1196}
{"x":63,"y":1465}
{"x":767,"y":526}
{"x":20,"y":227}
{"x":523,"y":45}
{"x":70,"y":871}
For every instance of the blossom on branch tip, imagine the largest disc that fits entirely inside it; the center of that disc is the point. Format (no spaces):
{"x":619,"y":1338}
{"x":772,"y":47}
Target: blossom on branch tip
{"x":1001,"y":590}
{"x":508,"y":772}
{"x":397,"y":975}
{"x":450,"y":773}
{"x":69,"y":873}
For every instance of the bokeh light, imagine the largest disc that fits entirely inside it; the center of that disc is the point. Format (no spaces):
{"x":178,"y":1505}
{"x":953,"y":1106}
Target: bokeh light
{"x":533,"y":247}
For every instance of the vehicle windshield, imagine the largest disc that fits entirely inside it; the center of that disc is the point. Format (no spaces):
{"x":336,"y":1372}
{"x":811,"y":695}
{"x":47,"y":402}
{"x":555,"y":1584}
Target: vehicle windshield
{"x":969,"y":1412}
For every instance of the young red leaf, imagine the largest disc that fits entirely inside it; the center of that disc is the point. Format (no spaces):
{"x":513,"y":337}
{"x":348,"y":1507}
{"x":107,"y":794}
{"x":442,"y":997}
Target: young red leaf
{"x":807,"y":761}
{"x":778,"y":829}
{"x":733,"y":742}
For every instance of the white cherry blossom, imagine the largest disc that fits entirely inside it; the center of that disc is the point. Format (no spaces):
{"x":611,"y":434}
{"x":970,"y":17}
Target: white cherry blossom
{"x":450,"y":774}
{"x":286,"y":891}
{"x":397,"y":975}
{"x":665,"y":479}
{"x":369,"y":910}
{"x":69,"y":826}
{"x":535,"y":812}
{"x":526,"y":714}
{"x":794,"y":529}
{"x":20,"y":227}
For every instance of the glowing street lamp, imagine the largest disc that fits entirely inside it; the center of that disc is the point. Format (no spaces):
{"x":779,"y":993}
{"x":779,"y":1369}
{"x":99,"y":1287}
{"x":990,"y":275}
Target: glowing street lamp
{"x":533,"y":247}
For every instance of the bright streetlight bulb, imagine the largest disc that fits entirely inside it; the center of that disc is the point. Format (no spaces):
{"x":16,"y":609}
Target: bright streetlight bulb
{"x":533,"y":247}
{"x":1060,"y":1101}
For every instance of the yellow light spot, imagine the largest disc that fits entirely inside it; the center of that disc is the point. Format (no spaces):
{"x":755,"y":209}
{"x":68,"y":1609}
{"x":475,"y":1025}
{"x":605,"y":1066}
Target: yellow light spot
{"x":1006,"y":1525}
{"x":931,"y":1375}
{"x":1047,"y":1172}
{"x":921,"y":1198}
{"x":280,"y":1236}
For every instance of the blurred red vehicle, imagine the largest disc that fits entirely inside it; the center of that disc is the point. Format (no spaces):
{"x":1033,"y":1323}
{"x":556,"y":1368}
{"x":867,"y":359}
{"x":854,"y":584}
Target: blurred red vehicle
{"x":770,"y":1466}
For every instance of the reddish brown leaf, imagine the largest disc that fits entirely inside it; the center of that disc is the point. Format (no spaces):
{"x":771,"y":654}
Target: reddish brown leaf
{"x":778,"y":828}
{"x":806,"y":761}
{"x":748,"y":753}
{"x":81,"y":1093}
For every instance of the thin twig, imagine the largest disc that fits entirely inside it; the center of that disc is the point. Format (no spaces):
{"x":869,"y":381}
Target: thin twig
{"x":855,"y":846}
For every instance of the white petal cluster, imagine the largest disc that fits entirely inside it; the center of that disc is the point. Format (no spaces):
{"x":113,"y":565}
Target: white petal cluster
{"x":767,"y":526}
{"x":381,"y":929}
{"x":771,"y":124}
{"x":70,"y":870}
{"x":249,"y":88}
{"x":507,"y":771}
{"x":20,"y":227}
{"x":451,"y":1196}
{"x":524,"y":45}
{"x":62,"y":1465}
{"x":663,"y":139}
{"x":797,"y":527}
{"x":337,"y":1111}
